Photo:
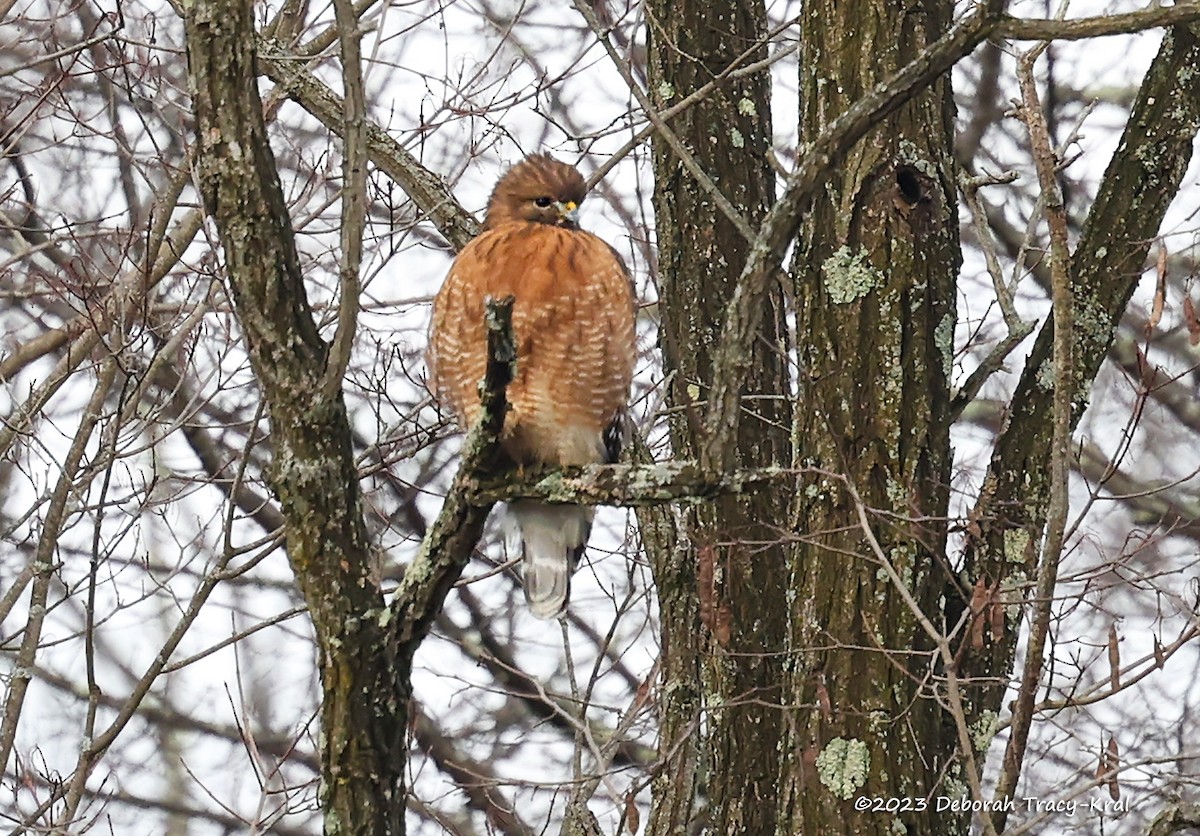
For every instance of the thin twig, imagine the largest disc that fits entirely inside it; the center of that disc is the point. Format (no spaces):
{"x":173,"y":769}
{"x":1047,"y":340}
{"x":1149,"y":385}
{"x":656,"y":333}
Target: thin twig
{"x":953,"y":693}
{"x":734,"y":69}
{"x":1018,"y":328}
{"x":354,"y":195}
{"x":43,"y":562}
{"x":1058,"y":507}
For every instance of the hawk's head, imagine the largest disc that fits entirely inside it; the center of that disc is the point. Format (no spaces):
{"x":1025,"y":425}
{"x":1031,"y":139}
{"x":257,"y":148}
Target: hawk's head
{"x":539,"y":189}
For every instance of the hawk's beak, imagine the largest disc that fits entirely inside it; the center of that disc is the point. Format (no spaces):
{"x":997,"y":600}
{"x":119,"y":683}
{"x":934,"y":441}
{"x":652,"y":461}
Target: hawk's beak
{"x":568,"y":211}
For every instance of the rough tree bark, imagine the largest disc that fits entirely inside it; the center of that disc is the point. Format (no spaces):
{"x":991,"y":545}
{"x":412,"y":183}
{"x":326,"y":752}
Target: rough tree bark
{"x":794,"y":676}
{"x":797,"y":669}
{"x":312,"y":471}
{"x":365,"y":645}
{"x":720,"y":575}
{"x":875,"y":273}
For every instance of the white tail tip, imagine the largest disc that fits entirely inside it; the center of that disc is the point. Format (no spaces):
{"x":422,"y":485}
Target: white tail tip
{"x":551,"y":538}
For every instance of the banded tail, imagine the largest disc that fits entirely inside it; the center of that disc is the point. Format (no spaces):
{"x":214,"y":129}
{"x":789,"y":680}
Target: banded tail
{"x":551,"y":539}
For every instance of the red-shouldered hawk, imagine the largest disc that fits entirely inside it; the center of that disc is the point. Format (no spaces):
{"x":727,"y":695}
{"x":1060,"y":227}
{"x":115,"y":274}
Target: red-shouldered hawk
{"x":573,"y":320}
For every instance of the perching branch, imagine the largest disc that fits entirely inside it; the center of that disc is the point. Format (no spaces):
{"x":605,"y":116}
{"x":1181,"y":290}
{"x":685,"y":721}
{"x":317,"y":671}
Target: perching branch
{"x":632,"y":486}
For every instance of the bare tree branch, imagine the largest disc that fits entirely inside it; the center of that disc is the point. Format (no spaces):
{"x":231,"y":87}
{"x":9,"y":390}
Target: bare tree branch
{"x":43,"y":565}
{"x":354,"y":194}
{"x":1134,"y":195}
{"x":633,"y":486}
{"x":424,"y":187}
{"x":474,"y":778}
{"x":1153,"y":16}
{"x":1060,"y":445}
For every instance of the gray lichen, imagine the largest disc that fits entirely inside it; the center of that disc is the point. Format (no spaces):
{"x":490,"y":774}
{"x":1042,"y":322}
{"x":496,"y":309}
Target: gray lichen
{"x":943,"y":336}
{"x":983,"y":730}
{"x":843,"y":766}
{"x":849,"y":276}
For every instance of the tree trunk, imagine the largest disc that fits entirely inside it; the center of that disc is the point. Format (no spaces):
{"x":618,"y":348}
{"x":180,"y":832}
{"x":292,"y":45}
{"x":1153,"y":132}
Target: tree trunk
{"x":1138,"y":187}
{"x":875,"y":273}
{"x":719,"y":575}
{"x":365,"y":699}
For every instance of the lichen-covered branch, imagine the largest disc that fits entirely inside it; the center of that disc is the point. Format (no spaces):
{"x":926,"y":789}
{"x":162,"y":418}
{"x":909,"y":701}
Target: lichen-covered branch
{"x":363,"y":727}
{"x":633,"y":486}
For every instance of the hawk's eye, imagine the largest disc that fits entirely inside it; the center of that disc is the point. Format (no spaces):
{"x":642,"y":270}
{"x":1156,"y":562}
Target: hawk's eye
{"x":543,"y":202}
